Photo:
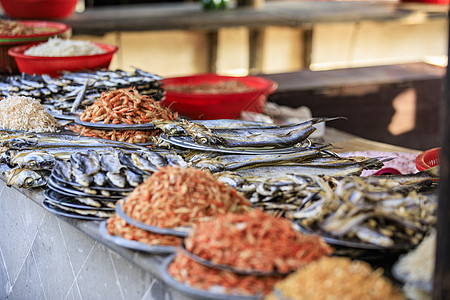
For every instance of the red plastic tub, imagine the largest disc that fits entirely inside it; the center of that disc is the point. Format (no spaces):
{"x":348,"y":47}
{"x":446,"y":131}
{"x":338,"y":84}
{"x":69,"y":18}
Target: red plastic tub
{"x":428,"y":159}
{"x":53,"y":65}
{"x":48,"y":29}
{"x":39,"y":9}
{"x":224,"y":105}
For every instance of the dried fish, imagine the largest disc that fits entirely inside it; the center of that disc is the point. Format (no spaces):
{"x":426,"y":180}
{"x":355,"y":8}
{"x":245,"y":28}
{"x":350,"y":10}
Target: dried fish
{"x":24,"y":178}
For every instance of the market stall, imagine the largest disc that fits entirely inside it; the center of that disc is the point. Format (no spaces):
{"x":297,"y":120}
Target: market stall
{"x":108,"y":192}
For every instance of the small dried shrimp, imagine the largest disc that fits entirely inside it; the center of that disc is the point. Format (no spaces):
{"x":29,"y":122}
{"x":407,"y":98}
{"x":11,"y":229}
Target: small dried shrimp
{"x":117,"y":226}
{"x":185,"y":270}
{"x":125,"y":106}
{"x":336,"y":278}
{"x":255,"y":241}
{"x":128,"y":136}
{"x":175,"y":196}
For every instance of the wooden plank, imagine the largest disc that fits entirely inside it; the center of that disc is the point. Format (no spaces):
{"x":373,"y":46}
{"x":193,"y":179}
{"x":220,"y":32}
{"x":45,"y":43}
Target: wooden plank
{"x":375,"y":100}
{"x":191,"y":16}
{"x":212,"y":37}
{"x":255,"y":43}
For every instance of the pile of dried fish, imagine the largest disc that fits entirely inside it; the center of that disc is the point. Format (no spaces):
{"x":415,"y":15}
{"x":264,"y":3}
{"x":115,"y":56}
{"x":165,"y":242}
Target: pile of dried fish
{"x":371,"y":210}
{"x":249,"y":137}
{"x":315,"y":160}
{"x":95,"y":180}
{"x":72,"y":91}
{"x":28,"y":158}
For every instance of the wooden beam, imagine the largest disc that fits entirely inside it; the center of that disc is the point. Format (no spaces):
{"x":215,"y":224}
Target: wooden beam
{"x":255,"y":56}
{"x":212,"y":40}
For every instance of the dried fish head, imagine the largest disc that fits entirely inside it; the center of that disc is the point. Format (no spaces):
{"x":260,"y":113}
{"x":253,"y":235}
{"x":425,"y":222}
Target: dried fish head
{"x":24,"y":178}
{"x":35,"y":161}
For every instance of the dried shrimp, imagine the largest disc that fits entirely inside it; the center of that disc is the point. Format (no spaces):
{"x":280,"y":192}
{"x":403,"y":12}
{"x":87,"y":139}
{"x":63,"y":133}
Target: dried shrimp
{"x":128,"y":136}
{"x":255,"y":241}
{"x":336,"y":278}
{"x":117,"y":226}
{"x":175,"y":196}
{"x":185,"y":270}
{"x":125,"y":106}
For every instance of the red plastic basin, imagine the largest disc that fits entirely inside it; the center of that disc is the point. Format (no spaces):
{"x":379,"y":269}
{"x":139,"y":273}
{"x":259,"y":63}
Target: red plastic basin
{"x":54,"y":65}
{"x":226,"y":105}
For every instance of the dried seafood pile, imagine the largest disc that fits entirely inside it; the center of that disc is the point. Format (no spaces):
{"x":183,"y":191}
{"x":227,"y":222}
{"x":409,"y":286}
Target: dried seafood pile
{"x":117,"y":226}
{"x":238,"y":254}
{"x":72,"y":91}
{"x":336,"y":278}
{"x":171,"y":199}
{"x":177,"y":197}
{"x":370,"y":212}
{"x":123,"y":106}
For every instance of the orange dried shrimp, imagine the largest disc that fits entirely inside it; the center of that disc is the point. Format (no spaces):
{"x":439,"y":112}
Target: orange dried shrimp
{"x":175,"y":196}
{"x":255,"y":241}
{"x":117,"y":226}
{"x":128,"y":136}
{"x":185,"y":270}
{"x":126,"y":106}
{"x":336,"y":278}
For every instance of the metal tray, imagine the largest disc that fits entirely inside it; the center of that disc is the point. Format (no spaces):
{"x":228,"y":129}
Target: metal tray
{"x":210,"y":264}
{"x":122,"y":126}
{"x":351,"y":244}
{"x":54,"y":185}
{"x":180,"y":232}
{"x":52,"y":208}
{"x":170,"y":281}
{"x":94,"y":187}
{"x":58,"y":198}
{"x":134,"y":245}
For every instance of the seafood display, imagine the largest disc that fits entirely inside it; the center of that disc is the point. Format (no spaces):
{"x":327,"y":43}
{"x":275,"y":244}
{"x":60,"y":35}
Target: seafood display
{"x":336,"y":278}
{"x":122,"y":107}
{"x":259,"y":137}
{"x":125,"y":106}
{"x":216,"y":282}
{"x":244,"y":243}
{"x":176,"y":197}
{"x":372,"y":211}
{"x":242,"y":205}
{"x":118,"y":227}
{"x":68,"y":94}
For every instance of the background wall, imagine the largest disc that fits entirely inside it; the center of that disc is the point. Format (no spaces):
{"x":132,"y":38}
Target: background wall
{"x":337,"y":45}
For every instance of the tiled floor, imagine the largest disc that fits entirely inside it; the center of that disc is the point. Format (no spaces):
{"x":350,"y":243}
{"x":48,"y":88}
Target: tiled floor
{"x":43,"y":257}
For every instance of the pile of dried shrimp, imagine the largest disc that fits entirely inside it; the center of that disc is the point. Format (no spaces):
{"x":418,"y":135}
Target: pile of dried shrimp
{"x":124,"y":106}
{"x":117,"y":226}
{"x":128,"y":136}
{"x":179,"y":197}
{"x":255,"y":241}
{"x":185,"y":270}
{"x":336,"y":278}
